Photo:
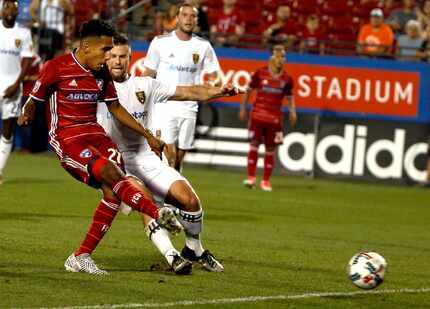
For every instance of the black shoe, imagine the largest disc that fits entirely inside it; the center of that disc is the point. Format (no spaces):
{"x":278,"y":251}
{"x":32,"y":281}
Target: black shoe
{"x":189,"y":254}
{"x":207,"y":259}
{"x":181,"y":266}
{"x":209,"y":262}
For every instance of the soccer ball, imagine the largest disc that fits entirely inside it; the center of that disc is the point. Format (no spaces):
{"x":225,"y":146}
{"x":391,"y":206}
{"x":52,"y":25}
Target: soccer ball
{"x":367,"y":270}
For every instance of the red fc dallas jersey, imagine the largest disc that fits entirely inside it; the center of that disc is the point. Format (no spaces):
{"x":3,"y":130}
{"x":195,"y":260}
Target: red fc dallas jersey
{"x":73,"y":93}
{"x":270,"y":92}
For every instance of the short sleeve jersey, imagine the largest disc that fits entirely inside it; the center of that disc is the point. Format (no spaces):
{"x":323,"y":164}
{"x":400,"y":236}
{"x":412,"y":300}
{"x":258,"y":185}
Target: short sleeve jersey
{"x":271,"y":91}
{"x":15,"y":44}
{"x":73,"y":93}
{"x":181,"y":63}
{"x":138,"y":95}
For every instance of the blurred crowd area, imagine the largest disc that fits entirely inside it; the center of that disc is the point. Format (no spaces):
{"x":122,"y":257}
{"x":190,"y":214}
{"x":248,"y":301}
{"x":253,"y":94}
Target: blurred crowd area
{"x":393,"y":29}
{"x":375,"y":28}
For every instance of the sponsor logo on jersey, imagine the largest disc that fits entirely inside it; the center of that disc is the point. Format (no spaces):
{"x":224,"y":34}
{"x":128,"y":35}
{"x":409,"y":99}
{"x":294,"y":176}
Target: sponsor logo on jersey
{"x":9,"y":52}
{"x":141,"y":96}
{"x":18,"y":43}
{"x":100,"y":83}
{"x":181,"y":68}
{"x":81,"y":96}
{"x":272,"y":89}
{"x":73,"y":83}
{"x":139,"y":115}
{"x":196,"y":58}
{"x":171,"y":55}
{"x":86,"y":153}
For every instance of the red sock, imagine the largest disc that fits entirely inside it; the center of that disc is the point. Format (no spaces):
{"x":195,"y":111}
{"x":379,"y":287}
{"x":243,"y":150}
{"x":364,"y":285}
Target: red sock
{"x":131,"y":195}
{"x":252,"y":160}
{"x":268,"y":165}
{"x":102,"y":220}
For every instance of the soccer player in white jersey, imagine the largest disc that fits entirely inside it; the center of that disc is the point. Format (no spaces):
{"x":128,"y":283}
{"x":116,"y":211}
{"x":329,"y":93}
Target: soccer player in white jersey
{"x":180,"y":58}
{"x":138,"y":96}
{"x":15,"y":59}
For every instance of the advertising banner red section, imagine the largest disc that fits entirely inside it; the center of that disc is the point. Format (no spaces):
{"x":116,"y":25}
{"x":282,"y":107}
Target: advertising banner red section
{"x":332,"y":88}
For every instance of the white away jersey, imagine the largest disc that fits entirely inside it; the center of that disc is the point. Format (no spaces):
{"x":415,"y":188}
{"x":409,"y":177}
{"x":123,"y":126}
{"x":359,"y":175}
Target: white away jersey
{"x":181,"y":63}
{"x":15,"y":44}
{"x":138,"y":95}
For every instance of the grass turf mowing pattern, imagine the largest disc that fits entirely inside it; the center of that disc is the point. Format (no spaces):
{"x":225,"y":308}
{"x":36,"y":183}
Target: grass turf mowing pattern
{"x":294,"y":240}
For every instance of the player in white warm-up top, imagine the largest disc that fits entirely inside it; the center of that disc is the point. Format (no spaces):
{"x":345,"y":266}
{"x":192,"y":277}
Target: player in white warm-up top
{"x":180,"y":58}
{"x":139,"y":95}
{"x":15,"y":58}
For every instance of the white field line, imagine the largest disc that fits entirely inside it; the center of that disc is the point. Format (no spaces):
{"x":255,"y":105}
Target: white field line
{"x":247,"y":299}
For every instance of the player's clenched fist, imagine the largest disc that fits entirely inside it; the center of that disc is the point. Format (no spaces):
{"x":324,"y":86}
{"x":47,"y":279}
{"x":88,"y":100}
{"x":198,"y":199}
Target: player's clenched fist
{"x":229,"y":90}
{"x":156,"y":144}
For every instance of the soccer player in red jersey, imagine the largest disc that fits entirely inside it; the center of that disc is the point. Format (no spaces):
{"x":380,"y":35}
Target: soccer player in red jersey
{"x":74,"y":83}
{"x":272,"y":84}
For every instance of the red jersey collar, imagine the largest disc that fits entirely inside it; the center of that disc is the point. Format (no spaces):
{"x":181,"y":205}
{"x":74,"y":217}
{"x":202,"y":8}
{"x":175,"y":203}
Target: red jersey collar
{"x":76,"y":60}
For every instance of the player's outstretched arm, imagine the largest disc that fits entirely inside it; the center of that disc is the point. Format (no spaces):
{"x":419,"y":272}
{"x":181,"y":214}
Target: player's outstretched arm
{"x":28,"y":113}
{"x":203,"y":92}
{"x":123,"y":116}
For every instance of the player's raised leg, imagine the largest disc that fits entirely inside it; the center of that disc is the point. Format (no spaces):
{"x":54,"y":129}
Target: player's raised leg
{"x":182,"y":196}
{"x":101,"y":172}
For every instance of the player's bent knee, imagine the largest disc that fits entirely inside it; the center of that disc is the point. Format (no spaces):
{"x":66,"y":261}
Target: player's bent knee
{"x":192,"y":203}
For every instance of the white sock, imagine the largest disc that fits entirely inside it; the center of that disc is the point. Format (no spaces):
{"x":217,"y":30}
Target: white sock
{"x":5,"y":149}
{"x":160,"y":238}
{"x":193,"y":225}
{"x":195,"y":244}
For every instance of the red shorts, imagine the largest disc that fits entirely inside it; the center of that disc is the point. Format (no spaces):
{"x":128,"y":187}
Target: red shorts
{"x":270,"y":134}
{"x":77,"y":153}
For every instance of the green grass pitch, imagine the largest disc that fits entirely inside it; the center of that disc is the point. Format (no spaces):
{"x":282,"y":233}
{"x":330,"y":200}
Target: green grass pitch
{"x":295,"y":240}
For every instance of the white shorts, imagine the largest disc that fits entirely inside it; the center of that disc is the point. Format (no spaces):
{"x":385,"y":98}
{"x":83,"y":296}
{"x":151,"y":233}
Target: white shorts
{"x":178,"y":130}
{"x":156,"y":174}
{"x":10,"y":107}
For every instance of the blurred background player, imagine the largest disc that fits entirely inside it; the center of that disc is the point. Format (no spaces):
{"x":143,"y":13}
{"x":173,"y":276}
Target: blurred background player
{"x":272,"y":84}
{"x":16,"y":54}
{"x":180,"y":58}
{"x":74,"y":83}
{"x":139,"y":96}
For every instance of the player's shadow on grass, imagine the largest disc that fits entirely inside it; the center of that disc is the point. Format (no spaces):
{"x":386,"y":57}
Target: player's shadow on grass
{"x":278,"y":187}
{"x":148,"y":263}
{"x":33,"y":180}
{"x":25,"y":216}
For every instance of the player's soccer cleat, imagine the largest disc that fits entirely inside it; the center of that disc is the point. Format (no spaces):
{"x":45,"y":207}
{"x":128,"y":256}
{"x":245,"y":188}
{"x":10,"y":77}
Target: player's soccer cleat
{"x":265,"y":186}
{"x":209,"y":262}
{"x":168,"y":220}
{"x":249,"y":182}
{"x":207,"y":259}
{"x":83,"y":263}
{"x":181,"y":266}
